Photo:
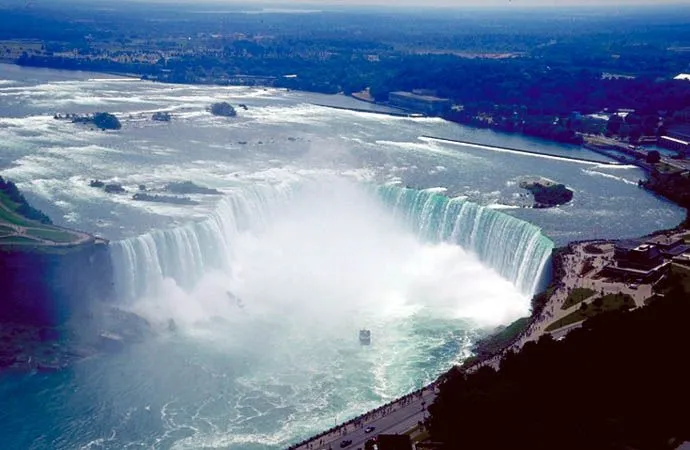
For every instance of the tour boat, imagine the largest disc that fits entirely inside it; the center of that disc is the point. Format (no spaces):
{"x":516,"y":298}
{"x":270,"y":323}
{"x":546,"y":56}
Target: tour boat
{"x":365,"y":337}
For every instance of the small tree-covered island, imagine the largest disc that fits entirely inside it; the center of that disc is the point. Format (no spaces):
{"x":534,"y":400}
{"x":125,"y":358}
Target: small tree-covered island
{"x":223,"y":109}
{"x":102,"y":120}
{"x":547,"y":193}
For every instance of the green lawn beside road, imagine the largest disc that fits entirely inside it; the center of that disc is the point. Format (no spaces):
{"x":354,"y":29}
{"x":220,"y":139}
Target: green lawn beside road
{"x":576,"y":296}
{"x":610,"y":302}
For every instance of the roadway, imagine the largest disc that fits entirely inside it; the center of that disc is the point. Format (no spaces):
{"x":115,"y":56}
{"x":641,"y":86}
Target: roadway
{"x":397,"y":418}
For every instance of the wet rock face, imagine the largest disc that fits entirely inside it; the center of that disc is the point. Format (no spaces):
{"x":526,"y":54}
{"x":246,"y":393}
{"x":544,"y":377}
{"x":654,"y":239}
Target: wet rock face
{"x":46,"y":286}
{"x":103,"y":329}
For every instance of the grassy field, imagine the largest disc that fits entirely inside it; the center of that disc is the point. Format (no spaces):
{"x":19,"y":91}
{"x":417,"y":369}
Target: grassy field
{"x":16,"y":240}
{"x":4,"y":229}
{"x":45,"y":234}
{"x":576,"y":296}
{"x":53,"y":234}
{"x":611,"y":302}
{"x":498,"y":340}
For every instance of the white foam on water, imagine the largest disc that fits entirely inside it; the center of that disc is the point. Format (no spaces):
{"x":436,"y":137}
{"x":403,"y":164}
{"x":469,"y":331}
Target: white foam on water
{"x":431,"y":148}
{"x":608,"y":175}
{"x":502,"y":206}
{"x":437,"y":190}
{"x":58,"y":162}
{"x":302,"y":114}
{"x":114,"y":80}
{"x":615,"y":167}
{"x":71,"y":101}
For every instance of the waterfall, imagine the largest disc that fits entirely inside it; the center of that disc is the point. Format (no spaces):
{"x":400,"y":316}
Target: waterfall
{"x":514,"y":248}
{"x":184,"y":253}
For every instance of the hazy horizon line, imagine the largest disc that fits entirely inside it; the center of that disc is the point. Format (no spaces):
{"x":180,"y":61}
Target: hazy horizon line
{"x":433,"y":4}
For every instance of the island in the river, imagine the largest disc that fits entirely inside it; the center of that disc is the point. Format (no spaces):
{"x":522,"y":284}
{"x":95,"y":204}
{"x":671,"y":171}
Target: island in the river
{"x":547,"y":193}
{"x":161,"y":116}
{"x":110,"y":188}
{"x":102,"y":120}
{"x":223,"y":109}
{"x":171,"y":199}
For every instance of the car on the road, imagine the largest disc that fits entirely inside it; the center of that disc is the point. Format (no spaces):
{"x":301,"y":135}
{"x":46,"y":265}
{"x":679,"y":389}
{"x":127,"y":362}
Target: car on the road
{"x":369,"y":429}
{"x":345,"y":443}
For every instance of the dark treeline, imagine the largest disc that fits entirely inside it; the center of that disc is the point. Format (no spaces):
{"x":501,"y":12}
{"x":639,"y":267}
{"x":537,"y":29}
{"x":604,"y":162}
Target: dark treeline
{"x":617,"y":383}
{"x":515,"y":85}
{"x":23,"y":207}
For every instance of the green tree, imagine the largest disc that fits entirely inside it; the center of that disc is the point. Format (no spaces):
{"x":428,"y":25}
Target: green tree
{"x":653,"y":157}
{"x":614,"y":124}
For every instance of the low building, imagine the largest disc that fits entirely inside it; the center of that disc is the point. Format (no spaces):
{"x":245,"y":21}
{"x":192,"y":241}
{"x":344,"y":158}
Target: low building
{"x":669,"y":246}
{"x":631,"y":275}
{"x":635,"y":261}
{"x":425,"y":104}
{"x":636,"y":255}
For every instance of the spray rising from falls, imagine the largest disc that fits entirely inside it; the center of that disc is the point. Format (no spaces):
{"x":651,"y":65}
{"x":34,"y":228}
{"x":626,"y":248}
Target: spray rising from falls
{"x":185,"y":253}
{"x":515,"y":249}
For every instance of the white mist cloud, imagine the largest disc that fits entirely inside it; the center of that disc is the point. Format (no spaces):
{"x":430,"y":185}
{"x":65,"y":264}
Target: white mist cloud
{"x":335,"y":260}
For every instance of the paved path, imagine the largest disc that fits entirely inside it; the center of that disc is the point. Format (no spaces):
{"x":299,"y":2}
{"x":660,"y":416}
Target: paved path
{"x":397,"y":418}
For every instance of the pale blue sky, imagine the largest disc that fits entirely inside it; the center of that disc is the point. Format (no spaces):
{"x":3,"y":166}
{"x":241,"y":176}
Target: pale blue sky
{"x":551,"y":3}
{"x":441,"y":3}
